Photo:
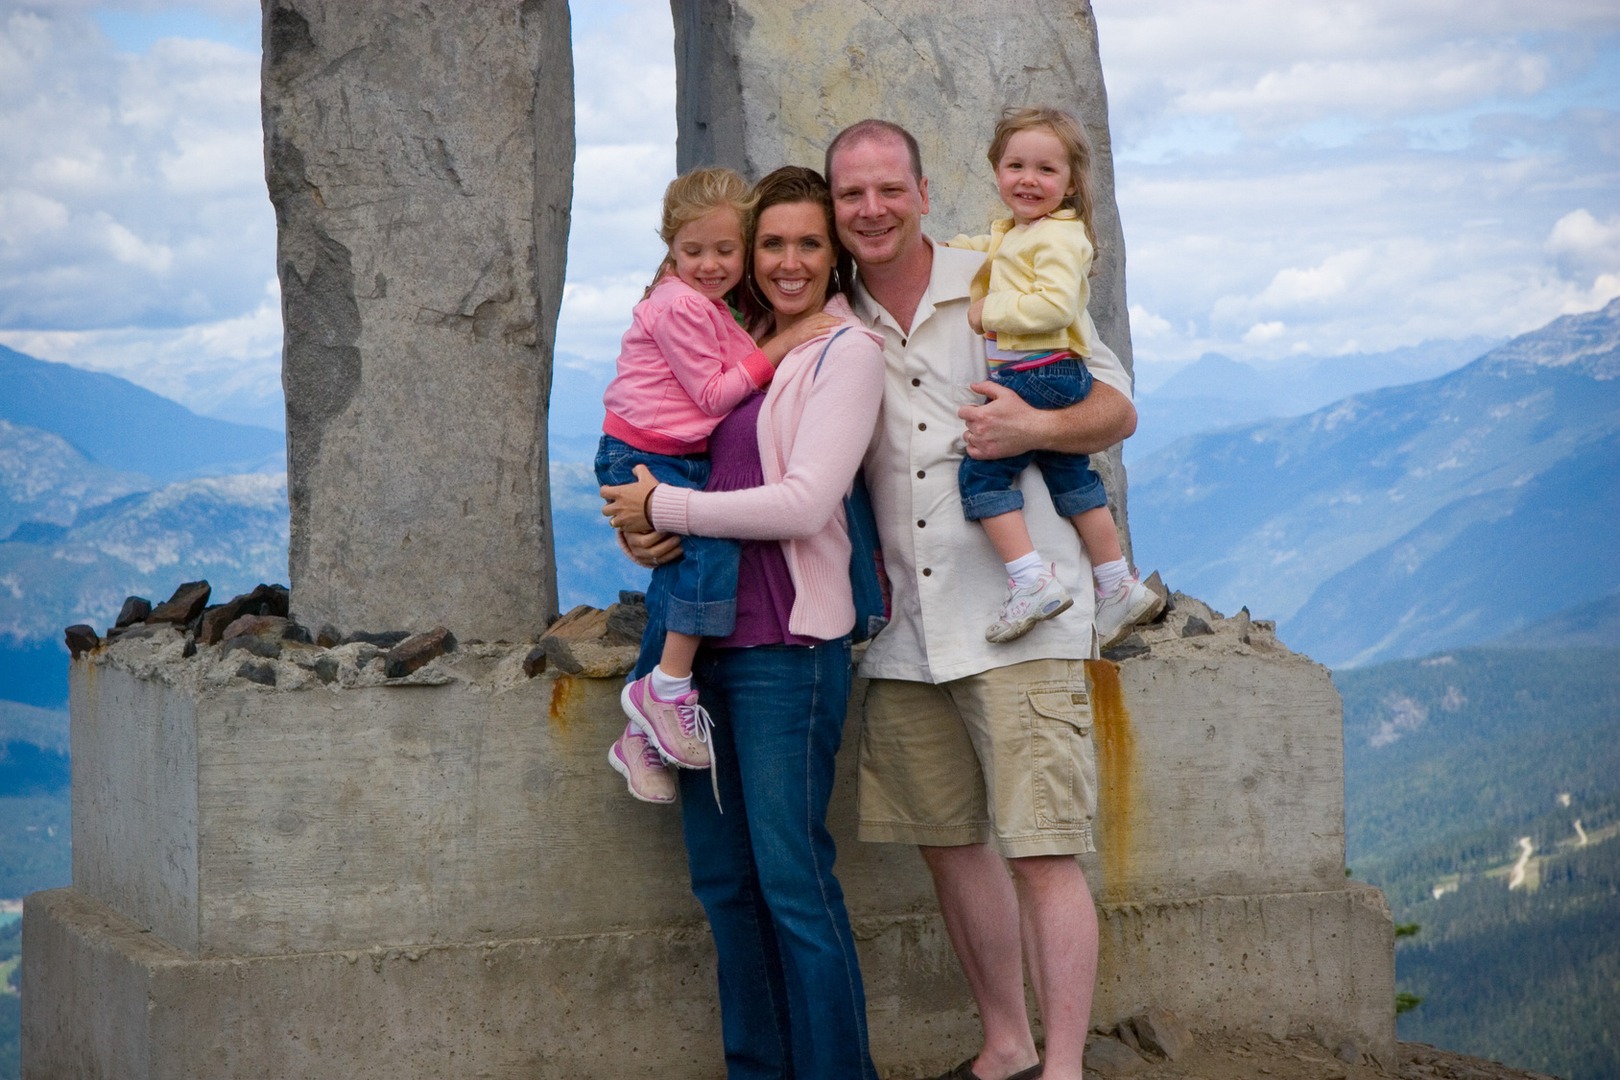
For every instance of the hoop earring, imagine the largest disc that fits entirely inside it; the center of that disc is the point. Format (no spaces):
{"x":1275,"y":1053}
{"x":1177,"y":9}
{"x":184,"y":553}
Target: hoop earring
{"x":757,"y":296}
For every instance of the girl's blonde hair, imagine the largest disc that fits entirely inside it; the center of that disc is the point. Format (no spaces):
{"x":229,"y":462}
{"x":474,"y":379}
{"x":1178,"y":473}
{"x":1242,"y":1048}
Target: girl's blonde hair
{"x":1076,"y":146}
{"x":695,"y":195}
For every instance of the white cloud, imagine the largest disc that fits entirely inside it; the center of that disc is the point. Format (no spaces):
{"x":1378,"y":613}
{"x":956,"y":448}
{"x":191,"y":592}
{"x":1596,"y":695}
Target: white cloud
{"x":596,"y":313}
{"x":1581,"y":238}
{"x":131,"y":250}
{"x":1260,"y":333}
{"x":1604,"y":289}
{"x":624,"y":93}
{"x":1363,"y":174}
{"x":1145,"y":324}
{"x":131,"y":158}
{"x":1450,"y":76}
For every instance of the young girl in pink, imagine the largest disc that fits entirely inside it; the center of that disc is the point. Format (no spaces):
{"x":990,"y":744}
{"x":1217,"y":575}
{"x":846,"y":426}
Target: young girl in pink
{"x":684,"y":363}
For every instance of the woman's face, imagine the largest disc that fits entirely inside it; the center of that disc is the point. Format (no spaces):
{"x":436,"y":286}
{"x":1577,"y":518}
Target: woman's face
{"x":793,"y":258}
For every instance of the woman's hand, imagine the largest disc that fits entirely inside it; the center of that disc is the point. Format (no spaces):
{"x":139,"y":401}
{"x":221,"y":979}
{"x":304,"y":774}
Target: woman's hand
{"x":650,"y":549}
{"x":976,"y":316}
{"x":626,"y":507}
{"x":806,"y":329}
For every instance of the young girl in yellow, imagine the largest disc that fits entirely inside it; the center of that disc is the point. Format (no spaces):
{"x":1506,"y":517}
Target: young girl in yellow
{"x":1029,"y":302}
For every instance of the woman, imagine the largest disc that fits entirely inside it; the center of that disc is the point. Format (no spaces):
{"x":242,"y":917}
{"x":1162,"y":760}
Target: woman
{"x":791,"y":1001}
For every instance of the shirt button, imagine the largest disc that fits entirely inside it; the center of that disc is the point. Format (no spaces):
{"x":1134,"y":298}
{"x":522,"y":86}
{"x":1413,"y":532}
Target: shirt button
{"x":921,"y":524}
{"x":922,"y":427}
{"x":921,"y":474}
{"x":916,"y":382}
{"x":927,"y":572}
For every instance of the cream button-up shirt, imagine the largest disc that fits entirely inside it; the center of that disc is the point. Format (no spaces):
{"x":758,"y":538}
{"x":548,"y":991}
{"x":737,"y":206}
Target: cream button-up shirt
{"x":948,"y":583}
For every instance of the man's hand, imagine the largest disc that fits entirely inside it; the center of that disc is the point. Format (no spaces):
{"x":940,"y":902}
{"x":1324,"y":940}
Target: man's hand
{"x":1007,"y":424}
{"x":1001,"y":427}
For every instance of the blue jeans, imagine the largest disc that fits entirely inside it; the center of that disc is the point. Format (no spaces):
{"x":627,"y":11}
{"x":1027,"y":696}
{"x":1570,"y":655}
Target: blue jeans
{"x":991,"y":487}
{"x":791,"y":999}
{"x":701,"y":586}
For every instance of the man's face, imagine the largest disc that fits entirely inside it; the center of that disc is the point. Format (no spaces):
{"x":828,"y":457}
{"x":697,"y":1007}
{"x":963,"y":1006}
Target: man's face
{"x":877,"y":204}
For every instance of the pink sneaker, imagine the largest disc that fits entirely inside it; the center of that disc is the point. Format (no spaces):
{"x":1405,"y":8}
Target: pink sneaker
{"x":678,"y":730}
{"x":633,"y":758}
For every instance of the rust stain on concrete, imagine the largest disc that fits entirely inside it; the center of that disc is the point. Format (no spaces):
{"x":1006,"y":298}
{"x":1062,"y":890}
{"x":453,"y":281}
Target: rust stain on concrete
{"x":562,"y":692}
{"x":1115,"y":739}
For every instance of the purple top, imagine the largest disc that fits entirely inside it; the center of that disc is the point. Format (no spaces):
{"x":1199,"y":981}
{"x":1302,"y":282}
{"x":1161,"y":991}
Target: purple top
{"x":764,"y":586}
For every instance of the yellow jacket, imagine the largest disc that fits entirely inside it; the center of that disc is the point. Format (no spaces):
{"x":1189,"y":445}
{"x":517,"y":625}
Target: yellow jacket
{"x":1034,"y":283}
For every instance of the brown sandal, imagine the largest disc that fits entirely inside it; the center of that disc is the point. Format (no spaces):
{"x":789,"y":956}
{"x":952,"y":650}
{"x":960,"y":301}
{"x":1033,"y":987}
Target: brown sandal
{"x":965,"y":1071}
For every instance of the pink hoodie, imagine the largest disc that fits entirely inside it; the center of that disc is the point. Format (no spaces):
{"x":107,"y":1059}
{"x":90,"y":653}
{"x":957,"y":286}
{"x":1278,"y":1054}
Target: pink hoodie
{"x":683,"y":364}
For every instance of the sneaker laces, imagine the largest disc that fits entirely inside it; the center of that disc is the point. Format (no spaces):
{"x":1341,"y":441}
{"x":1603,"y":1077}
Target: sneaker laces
{"x":650,"y":757}
{"x":694,"y":721}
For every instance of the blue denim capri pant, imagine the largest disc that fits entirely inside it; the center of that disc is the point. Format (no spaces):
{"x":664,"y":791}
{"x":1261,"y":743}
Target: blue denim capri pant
{"x":990,"y":487}
{"x":700,"y":588}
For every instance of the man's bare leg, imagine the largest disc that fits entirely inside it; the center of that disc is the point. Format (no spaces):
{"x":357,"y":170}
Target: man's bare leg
{"x":980,"y":908}
{"x":1060,"y":932}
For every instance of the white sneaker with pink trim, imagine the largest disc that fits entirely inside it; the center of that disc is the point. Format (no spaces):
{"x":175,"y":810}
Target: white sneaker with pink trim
{"x":635,"y":759}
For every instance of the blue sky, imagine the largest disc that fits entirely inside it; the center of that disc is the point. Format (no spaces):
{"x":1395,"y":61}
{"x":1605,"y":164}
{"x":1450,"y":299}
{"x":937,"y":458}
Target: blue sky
{"x":1295,"y":179}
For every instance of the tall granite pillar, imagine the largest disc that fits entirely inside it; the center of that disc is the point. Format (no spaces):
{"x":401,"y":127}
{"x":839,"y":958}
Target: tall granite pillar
{"x":763,"y":83}
{"x":420,"y":159}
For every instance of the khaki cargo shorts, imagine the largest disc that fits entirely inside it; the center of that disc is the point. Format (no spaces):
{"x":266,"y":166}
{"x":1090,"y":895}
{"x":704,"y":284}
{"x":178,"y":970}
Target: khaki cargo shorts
{"x":1004,"y":757}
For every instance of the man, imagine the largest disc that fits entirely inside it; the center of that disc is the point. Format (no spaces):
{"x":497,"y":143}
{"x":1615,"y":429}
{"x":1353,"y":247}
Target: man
{"x":979,"y":753}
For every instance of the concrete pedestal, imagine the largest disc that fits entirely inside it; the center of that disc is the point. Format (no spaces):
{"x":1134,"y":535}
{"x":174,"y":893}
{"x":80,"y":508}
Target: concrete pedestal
{"x":441,"y":876}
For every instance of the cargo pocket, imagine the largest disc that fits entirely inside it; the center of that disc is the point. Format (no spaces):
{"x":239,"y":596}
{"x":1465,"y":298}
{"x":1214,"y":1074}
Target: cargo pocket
{"x":1065,"y":757}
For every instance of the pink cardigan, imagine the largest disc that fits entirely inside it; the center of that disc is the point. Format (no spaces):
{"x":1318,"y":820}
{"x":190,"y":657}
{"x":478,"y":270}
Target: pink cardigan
{"x":683,"y":364}
{"x":813,"y":432}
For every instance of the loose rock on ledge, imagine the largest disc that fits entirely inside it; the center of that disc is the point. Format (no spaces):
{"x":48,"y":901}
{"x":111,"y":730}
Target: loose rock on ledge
{"x":186,"y":604}
{"x":81,"y":638}
{"x":283,"y":654}
{"x":581,"y":643}
{"x":264,"y":600}
{"x":416,"y":651}
{"x":136,"y":609}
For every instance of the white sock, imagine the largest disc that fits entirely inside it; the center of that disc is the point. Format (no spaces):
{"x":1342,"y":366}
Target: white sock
{"x":667,"y":687}
{"x":1110,"y":576}
{"x":1027,"y":570}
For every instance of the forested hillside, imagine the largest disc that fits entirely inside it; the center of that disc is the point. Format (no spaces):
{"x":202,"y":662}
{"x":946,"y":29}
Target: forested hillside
{"x":1482,"y":793}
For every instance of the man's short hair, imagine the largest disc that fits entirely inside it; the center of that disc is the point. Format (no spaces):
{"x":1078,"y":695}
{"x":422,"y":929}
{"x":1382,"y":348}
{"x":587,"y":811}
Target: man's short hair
{"x":874,"y":130}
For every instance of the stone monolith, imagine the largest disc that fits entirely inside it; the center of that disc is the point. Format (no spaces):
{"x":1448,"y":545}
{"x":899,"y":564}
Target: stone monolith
{"x":762,"y":83}
{"x":420,"y":159}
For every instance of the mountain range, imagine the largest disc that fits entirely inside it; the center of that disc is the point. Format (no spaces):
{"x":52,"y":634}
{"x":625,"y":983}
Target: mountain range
{"x":120,"y":426}
{"x":1389,"y":523}
{"x":108,"y":491}
{"x":1408,"y":519}
{"x":1216,"y":392}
